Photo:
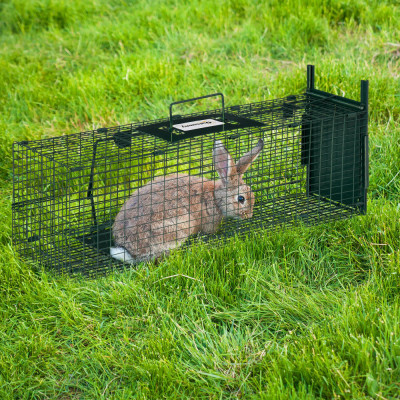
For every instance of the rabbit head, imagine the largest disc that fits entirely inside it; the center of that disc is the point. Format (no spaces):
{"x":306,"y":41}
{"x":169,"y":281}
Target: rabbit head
{"x":233,"y":197}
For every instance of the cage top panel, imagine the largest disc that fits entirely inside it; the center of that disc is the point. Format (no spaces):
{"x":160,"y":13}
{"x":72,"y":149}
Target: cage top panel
{"x":75,"y":151}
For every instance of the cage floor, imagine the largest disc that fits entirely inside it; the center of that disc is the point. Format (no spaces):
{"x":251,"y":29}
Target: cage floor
{"x":91,"y":259}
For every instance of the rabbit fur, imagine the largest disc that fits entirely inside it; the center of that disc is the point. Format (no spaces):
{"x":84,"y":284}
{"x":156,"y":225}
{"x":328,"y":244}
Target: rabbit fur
{"x":162,"y":214}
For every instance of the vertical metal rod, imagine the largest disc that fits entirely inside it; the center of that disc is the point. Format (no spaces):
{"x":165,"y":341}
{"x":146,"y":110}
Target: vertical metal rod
{"x":308,"y":162}
{"x":364,"y":93}
{"x":364,"y":137}
{"x":310,"y":77}
{"x":310,"y":86}
{"x":14,"y":192}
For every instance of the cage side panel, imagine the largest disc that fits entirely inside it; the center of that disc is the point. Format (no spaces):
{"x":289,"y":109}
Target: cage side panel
{"x":333,"y":153}
{"x":21,"y":234}
{"x":35,"y":190}
{"x":91,"y":207}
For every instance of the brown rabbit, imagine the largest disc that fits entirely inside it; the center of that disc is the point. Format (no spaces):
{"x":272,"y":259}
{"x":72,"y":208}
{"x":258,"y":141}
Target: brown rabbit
{"x":161,"y":215}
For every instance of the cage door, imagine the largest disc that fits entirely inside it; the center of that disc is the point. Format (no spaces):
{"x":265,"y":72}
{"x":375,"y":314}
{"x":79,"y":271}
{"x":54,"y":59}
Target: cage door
{"x":332,"y":149}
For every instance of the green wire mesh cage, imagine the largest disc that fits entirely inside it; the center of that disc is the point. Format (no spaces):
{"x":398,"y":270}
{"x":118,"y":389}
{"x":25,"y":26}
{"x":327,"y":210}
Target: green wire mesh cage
{"x":102,"y":199}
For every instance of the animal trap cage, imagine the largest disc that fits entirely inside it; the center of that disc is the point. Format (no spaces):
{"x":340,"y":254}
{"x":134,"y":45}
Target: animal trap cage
{"x":95,"y":200}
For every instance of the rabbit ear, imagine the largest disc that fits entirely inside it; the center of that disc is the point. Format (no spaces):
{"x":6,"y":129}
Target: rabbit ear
{"x":245,"y":161}
{"x":222,"y":161}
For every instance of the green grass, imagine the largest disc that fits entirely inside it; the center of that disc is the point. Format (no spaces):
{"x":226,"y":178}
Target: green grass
{"x":305,"y":313}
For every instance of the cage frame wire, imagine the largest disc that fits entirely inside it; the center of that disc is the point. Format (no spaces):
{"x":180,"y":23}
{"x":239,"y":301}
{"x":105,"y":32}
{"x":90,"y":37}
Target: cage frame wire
{"x":313,"y":168}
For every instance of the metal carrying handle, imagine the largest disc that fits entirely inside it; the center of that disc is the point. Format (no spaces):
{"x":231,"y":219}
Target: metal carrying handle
{"x":194,"y":99}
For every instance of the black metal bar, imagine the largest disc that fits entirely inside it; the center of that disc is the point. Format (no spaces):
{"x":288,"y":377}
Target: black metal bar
{"x":310,"y":77}
{"x":14,"y":196}
{"x":336,"y":99}
{"x":320,"y":93}
{"x":364,"y":136}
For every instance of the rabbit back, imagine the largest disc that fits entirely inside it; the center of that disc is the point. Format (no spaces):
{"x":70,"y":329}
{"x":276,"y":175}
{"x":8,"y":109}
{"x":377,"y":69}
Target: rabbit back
{"x":162,"y":214}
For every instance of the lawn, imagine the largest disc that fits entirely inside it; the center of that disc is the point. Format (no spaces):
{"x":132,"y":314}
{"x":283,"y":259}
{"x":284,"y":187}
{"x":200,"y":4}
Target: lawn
{"x":302,"y":313}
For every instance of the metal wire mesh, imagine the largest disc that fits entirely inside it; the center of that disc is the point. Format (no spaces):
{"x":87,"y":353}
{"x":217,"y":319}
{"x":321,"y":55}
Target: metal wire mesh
{"x":69,"y":190}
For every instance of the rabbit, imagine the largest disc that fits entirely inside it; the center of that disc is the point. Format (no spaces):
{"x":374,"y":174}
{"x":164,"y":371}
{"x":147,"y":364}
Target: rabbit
{"x":162,"y":214}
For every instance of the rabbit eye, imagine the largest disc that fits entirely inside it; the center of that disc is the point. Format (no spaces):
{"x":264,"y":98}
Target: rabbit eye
{"x":241,"y":199}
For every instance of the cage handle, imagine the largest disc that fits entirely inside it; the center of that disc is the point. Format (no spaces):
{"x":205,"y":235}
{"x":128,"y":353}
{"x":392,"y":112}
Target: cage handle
{"x":194,"y":99}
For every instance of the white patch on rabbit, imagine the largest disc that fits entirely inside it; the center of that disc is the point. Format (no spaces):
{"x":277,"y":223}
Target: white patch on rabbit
{"x":121,"y":254}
